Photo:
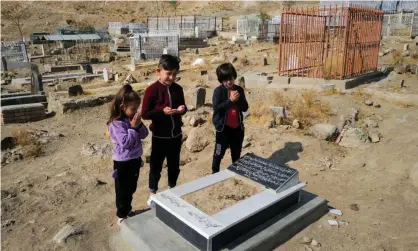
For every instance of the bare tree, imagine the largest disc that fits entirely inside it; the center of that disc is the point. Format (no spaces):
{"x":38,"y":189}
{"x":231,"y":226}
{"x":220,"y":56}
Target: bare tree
{"x":16,"y":13}
{"x":264,"y":17}
{"x":174,"y":5}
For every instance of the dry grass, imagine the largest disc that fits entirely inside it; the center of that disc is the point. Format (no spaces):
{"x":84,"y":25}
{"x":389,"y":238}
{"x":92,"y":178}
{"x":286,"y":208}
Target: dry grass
{"x":396,"y":58}
{"x":28,"y":141}
{"x":332,"y":66}
{"x":308,"y":109}
{"x":332,"y":92}
{"x":359,"y":94}
{"x":260,"y":112}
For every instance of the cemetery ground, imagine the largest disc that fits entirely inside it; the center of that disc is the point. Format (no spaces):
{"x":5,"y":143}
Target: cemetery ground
{"x":64,"y":177}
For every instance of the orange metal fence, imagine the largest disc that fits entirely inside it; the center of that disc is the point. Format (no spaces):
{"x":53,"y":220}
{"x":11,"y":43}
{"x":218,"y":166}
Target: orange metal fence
{"x":330,"y":42}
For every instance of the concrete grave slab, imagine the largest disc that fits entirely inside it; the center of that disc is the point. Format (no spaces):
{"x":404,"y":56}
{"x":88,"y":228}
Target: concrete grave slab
{"x":277,"y":189}
{"x":213,"y":232}
{"x":144,"y":232}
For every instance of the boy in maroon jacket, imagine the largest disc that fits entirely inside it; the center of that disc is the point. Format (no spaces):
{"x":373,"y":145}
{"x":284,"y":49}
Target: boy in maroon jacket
{"x":164,"y":105}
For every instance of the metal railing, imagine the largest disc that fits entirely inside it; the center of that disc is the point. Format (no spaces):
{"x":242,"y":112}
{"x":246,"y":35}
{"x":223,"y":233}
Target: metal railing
{"x":330,"y":42}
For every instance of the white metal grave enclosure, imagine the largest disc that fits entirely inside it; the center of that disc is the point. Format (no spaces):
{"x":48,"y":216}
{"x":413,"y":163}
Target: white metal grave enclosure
{"x":397,"y":24}
{"x":146,"y":46}
{"x":15,"y":52}
{"x":186,"y":26}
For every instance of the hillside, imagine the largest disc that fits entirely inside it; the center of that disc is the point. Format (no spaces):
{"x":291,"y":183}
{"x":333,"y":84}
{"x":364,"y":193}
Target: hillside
{"x":47,"y":16}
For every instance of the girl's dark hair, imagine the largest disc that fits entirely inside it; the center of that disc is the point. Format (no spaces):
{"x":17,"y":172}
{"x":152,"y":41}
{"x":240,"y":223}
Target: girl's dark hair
{"x":126,"y":95}
{"x":226,"y":72}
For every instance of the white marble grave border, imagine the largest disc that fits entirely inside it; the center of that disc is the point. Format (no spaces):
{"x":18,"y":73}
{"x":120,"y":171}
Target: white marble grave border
{"x":210,"y":226}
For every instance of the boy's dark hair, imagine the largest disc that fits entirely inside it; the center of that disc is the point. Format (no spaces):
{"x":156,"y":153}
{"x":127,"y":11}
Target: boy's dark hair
{"x":169,"y":62}
{"x":125,"y":96}
{"x":226,"y":72}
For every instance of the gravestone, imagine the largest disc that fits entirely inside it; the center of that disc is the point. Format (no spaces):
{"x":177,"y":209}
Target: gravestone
{"x":36,"y":80}
{"x":241,"y":82}
{"x":200,"y":97}
{"x":201,"y":231}
{"x":89,"y":69}
{"x":4,"y":63}
{"x":266,"y":172}
{"x":165,"y":51}
{"x":105,"y":75}
{"x":116,"y":77}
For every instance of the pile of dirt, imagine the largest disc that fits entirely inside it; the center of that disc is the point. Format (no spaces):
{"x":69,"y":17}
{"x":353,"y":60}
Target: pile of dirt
{"x":221,"y":195}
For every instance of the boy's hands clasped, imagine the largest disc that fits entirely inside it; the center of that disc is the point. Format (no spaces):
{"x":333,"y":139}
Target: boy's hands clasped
{"x":169,"y":111}
{"x":234,"y":96}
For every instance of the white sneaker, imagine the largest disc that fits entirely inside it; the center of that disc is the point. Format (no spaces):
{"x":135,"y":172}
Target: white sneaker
{"x":151,"y":203}
{"x":120,"y":220}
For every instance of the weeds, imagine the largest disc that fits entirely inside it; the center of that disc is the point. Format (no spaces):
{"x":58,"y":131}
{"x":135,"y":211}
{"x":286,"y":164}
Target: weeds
{"x":332,"y":66}
{"x":30,"y":145}
{"x":396,"y":58}
{"x":308,"y":109}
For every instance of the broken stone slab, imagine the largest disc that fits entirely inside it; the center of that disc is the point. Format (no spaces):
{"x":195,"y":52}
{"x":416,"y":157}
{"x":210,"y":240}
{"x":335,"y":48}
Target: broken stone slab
{"x":65,"y":233}
{"x":277,"y":110}
{"x":353,"y":138}
{"x":325,"y":131}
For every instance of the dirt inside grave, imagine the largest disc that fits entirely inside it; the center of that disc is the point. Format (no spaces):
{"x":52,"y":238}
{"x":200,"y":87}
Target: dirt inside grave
{"x":222,"y":195}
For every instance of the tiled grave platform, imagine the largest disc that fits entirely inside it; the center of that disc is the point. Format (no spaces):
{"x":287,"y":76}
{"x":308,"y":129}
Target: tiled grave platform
{"x":281,"y":191}
{"x":146,"y":232}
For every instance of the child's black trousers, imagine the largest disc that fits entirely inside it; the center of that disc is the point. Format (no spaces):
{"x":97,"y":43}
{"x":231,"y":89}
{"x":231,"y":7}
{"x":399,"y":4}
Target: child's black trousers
{"x":125,"y":184}
{"x":229,"y":138}
{"x":161,"y":149}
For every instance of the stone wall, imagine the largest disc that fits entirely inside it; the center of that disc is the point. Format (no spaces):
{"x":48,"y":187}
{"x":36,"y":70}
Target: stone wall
{"x":22,"y":113}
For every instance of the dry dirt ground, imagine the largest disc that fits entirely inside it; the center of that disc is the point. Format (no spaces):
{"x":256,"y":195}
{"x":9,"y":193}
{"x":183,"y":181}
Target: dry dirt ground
{"x":62,"y":186}
{"x":372,"y":187}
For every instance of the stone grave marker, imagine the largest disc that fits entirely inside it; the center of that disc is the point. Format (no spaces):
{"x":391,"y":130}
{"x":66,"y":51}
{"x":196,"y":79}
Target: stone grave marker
{"x":89,"y":69}
{"x":266,"y":172}
{"x":281,"y":190}
{"x":36,"y":80}
{"x":105,"y":75}
{"x":200,"y":97}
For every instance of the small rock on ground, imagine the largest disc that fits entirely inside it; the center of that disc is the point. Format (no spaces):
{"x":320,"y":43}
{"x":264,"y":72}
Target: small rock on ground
{"x":374,"y":137}
{"x":306,"y":240}
{"x":66,"y":232}
{"x":324,"y":131}
{"x":198,"y":139}
{"x":354,"y":207}
{"x":296,"y":124}
{"x":315,"y":243}
{"x":368,"y":102}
